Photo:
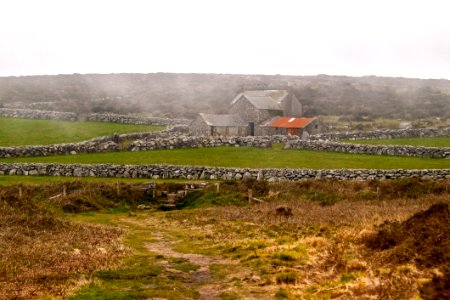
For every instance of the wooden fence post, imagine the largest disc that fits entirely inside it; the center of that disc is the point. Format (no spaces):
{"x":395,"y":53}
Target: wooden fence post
{"x":250,"y":195}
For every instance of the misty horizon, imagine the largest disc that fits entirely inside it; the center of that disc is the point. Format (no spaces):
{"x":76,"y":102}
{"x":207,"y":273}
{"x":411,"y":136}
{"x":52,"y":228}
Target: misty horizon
{"x":407,"y":39}
{"x":224,"y":74}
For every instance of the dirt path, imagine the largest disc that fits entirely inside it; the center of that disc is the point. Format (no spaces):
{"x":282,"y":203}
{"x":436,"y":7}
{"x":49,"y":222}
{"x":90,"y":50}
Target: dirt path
{"x":202,"y":277}
{"x":229,"y":278}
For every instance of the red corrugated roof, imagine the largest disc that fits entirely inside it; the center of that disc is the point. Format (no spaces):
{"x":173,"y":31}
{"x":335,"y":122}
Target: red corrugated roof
{"x":289,"y":122}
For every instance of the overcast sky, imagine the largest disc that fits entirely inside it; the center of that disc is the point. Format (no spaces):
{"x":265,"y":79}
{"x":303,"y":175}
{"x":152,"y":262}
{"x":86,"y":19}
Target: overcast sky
{"x":345,"y":37}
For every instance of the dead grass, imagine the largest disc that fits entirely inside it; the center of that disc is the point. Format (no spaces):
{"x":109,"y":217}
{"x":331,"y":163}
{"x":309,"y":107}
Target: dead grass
{"x":43,"y":253}
{"x":319,"y":251}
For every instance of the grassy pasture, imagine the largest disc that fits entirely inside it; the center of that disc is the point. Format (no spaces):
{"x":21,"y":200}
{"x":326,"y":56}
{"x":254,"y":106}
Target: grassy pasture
{"x":247,"y":157}
{"x":18,"y":132}
{"x":440,"y":142}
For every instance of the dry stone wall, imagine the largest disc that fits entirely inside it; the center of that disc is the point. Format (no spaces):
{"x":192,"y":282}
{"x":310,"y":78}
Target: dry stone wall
{"x":90,"y":146}
{"x":26,"y":113}
{"x":125,"y":119}
{"x":175,"y":140}
{"x":383,"y":134}
{"x":199,"y":172}
{"x":399,"y":150}
{"x":38,"y":114}
{"x":184,"y":141}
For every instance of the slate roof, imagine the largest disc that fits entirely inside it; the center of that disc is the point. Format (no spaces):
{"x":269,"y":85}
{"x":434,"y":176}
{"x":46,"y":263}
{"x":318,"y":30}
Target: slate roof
{"x":290,"y":122}
{"x":222,"y":120}
{"x":264,"y":99}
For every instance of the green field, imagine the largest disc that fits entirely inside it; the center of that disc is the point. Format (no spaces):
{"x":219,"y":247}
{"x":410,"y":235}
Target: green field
{"x":426,"y":142}
{"x":247,"y":157}
{"x":18,"y":132}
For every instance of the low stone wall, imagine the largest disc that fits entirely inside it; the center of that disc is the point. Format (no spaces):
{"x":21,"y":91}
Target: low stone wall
{"x":99,"y":144}
{"x":26,"y":113}
{"x":383,"y":134}
{"x":38,"y":114}
{"x":125,"y":119}
{"x":198,"y":172}
{"x":399,"y":150}
{"x":184,"y":141}
{"x":91,"y":146}
{"x":174,"y":140}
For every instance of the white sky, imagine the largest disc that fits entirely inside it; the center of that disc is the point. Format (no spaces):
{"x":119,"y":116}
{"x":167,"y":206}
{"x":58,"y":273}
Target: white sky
{"x":336,"y":37}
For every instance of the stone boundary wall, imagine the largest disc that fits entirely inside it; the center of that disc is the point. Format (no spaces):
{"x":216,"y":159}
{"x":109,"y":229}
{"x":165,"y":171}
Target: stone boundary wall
{"x":125,"y":119}
{"x":26,"y":113}
{"x":383,"y":134}
{"x":91,"y":146}
{"x":171,"y":139}
{"x":199,"y":172}
{"x":99,"y":144}
{"x":398,"y":150}
{"x":38,"y":114}
{"x":183,"y":141}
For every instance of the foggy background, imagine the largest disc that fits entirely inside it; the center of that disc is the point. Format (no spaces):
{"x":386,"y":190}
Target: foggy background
{"x":139,"y":56}
{"x":290,"y":37}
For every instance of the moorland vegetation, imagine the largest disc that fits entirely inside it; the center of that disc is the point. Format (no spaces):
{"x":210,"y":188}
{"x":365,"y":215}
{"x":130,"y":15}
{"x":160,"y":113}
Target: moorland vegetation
{"x":331,"y":239}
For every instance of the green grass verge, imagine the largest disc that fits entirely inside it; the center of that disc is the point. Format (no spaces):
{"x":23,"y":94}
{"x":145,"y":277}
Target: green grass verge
{"x":138,"y":276}
{"x":426,"y":142}
{"x":246,"y":157}
{"x":18,"y":132}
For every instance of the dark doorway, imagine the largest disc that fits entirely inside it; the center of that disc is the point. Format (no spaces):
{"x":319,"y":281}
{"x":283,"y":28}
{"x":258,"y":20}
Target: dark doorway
{"x":251,"y":129}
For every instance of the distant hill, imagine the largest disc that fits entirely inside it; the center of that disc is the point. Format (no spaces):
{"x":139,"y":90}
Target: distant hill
{"x":183,"y":95}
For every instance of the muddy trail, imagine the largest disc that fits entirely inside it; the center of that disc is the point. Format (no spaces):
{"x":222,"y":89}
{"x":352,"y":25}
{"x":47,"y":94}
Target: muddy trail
{"x":233,"y":279}
{"x":202,"y":277}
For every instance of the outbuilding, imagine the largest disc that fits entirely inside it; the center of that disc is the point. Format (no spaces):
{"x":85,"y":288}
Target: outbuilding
{"x":302,"y":127}
{"x":222,"y":125}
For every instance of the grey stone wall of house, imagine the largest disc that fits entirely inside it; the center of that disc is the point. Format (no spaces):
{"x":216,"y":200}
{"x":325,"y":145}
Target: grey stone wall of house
{"x":37,"y":114}
{"x":384,"y":134}
{"x":397,"y":150}
{"x":199,"y":172}
{"x":199,"y":128}
{"x":125,"y":119}
{"x":291,"y":106}
{"x":249,"y":113}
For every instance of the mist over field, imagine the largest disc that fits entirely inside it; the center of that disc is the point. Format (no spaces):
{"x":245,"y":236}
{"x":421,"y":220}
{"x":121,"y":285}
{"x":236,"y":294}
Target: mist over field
{"x":184,"y":95}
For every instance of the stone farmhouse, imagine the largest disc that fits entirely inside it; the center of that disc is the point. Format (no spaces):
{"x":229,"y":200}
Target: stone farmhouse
{"x":252,"y":112}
